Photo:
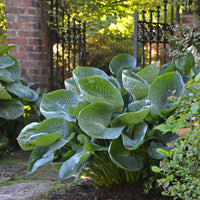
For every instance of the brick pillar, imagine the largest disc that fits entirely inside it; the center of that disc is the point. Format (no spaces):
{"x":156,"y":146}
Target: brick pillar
{"x":27,"y":28}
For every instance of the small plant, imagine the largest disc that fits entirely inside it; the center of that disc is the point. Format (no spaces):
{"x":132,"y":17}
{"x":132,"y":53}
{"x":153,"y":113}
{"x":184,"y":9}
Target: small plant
{"x":19,"y":104}
{"x":180,"y":170}
{"x":102,"y":126}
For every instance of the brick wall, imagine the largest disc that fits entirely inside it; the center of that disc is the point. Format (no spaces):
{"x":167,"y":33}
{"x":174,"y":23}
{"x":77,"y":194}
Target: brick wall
{"x":27,"y":28}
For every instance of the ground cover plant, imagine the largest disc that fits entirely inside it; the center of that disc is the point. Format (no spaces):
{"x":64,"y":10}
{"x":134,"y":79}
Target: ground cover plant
{"x":180,"y":170}
{"x":19,"y":104}
{"x":102,"y":126}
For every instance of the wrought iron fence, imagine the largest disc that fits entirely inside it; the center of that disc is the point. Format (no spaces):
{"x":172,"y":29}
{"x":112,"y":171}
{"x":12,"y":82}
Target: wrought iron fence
{"x":153,"y":33}
{"x":68,"y":44}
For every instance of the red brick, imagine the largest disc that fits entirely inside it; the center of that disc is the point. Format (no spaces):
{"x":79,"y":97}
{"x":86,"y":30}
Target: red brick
{"x":32,"y":11}
{"x":34,"y":41}
{"x":21,"y":56}
{"x":11,"y":34}
{"x":16,"y":41}
{"x":15,"y":25}
{"x":35,"y":56}
{"x":27,"y":3}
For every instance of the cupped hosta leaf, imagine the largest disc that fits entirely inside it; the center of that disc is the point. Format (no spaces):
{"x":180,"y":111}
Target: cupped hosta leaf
{"x":72,"y":166}
{"x":82,"y":72}
{"x":56,"y":103}
{"x":6,"y":48}
{"x":3,"y":93}
{"x":163,"y":89}
{"x":75,"y":111}
{"x":22,"y":91}
{"x":139,"y":132}
{"x":151,"y":72}
{"x":138,"y":110}
{"x":124,"y":158}
{"x":94,"y":120}
{"x":44,"y":139}
{"x":71,"y":85}
{"x":6,"y":61}
{"x":168,"y":67}
{"x":11,"y":109}
{"x":44,"y":154}
{"x":15,"y":69}
{"x":153,"y":150}
{"x":95,"y":88}
{"x":53,"y":125}
{"x":121,"y":60}
{"x":6,"y":76}
{"x":26,"y":132}
{"x":135,"y":85}
{"x":186,"y":63}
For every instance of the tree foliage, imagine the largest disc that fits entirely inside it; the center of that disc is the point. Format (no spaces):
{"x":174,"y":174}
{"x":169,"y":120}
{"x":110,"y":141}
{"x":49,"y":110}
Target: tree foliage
{"x":2,"y":22}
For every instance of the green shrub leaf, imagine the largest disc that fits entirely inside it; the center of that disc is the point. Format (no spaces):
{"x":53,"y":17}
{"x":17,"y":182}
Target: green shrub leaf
{"x":168,"y":67}
{"x":186,"y":63}
{"x":71,"y":85}
{"x":6,"y":48}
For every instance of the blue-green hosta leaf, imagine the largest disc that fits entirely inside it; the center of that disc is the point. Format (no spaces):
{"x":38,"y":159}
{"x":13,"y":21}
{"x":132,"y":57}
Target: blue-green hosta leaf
{"x":6,"y":61}
{"x":44,"y":139}
{"x":6,"y":76}
{"x":83,"y":72}
{"x":6,"y":48}
{"x":124,"y":158}
{"x":44,"y":154}
{"x":74,"y":111}
{"x":151,"y":72}
{"x":114,"y":81}
{"x":4,"y":94}
{"x":14,"y":69}
{"x":139,"y":133}
{"x":135,"y":85}
{"x":153,"y":150}
{"x":168,"y":67}
{"x":23,"y":137}
{"x":95,"y":88}
{"x":138,"y":110}
{"x":94,"y":120}
{"x":88,"y":150}
{"x":53,"y":125}
{"x":162,"y":89}
{"x":120,"y":61}
{"x":71,"y":85}
{"x":11,"y":109}
{"x":72,"y":166}
{"x":186,"y":63}
{"x":22,"y":91}
{"x":56,"y":103}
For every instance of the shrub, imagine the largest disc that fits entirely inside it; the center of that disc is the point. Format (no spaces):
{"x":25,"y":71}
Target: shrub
{"x":103,"y":126}
{"x":180,"y":171}
{"x":19,"y":104}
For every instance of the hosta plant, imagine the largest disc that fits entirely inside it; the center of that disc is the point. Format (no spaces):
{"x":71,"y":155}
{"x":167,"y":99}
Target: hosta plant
{"x":101,"y":125}
{"x":18,"y":102}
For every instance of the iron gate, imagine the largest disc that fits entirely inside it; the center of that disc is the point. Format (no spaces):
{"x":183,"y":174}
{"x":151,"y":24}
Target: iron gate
{"x":68,"y":44}
{"x":153,"y":32}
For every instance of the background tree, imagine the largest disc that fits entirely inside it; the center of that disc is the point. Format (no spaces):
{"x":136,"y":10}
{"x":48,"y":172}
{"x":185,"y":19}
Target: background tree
{"x":2,"y":22}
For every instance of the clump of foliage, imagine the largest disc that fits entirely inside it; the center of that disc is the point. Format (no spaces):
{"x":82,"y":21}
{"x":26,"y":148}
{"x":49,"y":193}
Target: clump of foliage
{"x":19,"y":104}
{"x":102,"y":125}
{"x":180,"y":170}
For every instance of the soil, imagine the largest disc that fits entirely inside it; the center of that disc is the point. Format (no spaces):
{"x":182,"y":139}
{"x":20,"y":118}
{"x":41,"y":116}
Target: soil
{"x":66,"y":189}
